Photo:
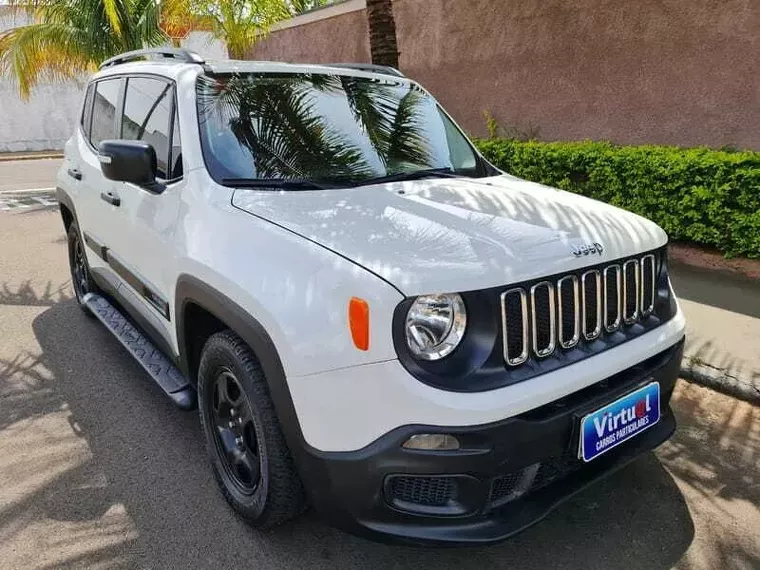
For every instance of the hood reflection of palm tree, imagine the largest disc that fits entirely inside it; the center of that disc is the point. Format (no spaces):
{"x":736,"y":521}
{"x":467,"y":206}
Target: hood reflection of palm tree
{"x":289,"y":139}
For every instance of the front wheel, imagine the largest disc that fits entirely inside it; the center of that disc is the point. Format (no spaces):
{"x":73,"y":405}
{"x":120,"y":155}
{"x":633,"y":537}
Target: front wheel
{"x":249,"y":457}
{"x":81,"y":279}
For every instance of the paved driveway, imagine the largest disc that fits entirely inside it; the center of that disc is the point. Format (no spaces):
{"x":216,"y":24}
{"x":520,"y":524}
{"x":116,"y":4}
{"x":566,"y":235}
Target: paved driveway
{"x":98,"y":470}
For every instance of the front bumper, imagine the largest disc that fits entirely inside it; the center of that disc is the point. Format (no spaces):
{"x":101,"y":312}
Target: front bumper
{"x":513,"y":473}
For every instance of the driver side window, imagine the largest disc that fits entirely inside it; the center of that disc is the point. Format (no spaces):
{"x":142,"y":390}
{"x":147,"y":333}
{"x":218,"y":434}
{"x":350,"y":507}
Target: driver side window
{"x":148,"y":108}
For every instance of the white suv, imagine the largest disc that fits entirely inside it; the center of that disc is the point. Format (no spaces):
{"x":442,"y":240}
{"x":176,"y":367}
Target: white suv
{"x":371,"y":318}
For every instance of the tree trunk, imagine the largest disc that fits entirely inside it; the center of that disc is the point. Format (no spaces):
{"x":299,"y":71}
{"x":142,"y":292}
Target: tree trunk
{"x":382,"y":32}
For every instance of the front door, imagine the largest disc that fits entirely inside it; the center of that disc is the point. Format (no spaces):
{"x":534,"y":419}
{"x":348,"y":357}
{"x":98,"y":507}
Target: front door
{"x":142,"y":248}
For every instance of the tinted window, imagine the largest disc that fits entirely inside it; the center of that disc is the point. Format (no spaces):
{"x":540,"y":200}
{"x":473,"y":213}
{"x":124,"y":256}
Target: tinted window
{"x":104,"y":111}
{"x":87,"y":110}
{"x":147,"y":110}
{"x":324,"y":127}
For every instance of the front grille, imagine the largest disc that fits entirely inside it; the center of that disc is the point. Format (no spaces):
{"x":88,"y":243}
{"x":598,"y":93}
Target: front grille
{"x":555,"y":468}
{"x":425,"y":491}
{"x":560,"y":313}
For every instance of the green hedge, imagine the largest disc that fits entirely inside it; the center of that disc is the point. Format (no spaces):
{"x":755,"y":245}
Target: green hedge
{"x":708,"y":197}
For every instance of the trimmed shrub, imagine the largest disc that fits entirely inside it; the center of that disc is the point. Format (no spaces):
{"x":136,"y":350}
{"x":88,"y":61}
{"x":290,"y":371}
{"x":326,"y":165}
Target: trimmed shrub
{"x":708,"y":197}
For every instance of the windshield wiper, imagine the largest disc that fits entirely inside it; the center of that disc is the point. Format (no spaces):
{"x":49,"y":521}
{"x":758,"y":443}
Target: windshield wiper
{"x":411,"y":175}
{"x":277,"y":183}
{"x":287,"y":184}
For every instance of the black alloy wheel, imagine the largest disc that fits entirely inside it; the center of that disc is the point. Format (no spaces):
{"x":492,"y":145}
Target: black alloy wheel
{"x":235,"y":432}
{"x":249,"y":456}
{"x":81,"y":278}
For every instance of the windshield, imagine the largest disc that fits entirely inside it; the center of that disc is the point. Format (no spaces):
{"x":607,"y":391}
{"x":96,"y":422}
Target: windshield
{"x":325,"y":128}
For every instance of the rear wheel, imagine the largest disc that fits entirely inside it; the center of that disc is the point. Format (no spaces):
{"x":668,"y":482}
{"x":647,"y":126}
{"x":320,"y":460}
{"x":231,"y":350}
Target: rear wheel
{"x":249,"y":457}
{"x":81,"y":279}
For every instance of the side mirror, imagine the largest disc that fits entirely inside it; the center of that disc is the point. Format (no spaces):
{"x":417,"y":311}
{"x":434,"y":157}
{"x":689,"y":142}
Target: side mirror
{"x":128,"y":161}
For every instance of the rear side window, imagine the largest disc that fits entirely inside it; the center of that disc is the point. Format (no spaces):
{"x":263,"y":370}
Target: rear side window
{"x":104,"y":111}
{"x":147,"y":117}
{"x":87,"y":110}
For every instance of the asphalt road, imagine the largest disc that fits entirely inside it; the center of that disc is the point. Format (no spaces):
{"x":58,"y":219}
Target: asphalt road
{"x":99,"y":470}
{"x":26,"y":174}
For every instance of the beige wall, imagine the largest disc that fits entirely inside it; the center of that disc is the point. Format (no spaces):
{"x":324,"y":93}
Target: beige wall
{"x":683,"y":72}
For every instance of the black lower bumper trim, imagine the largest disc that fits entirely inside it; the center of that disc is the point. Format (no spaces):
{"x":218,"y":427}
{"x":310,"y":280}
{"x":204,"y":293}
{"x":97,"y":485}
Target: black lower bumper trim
{"x":466,"y":501}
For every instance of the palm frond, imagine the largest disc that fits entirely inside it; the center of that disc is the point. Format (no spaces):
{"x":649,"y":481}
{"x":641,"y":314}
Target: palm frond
{"x":406,"y":141}
{"x":112,"y":10}
{"x":41,"y":51}
{"x":286,"y":135}
{"x":72,"y":36}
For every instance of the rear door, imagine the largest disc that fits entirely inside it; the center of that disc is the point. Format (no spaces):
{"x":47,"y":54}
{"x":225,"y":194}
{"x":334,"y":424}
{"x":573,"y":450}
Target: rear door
{"x":97,"y":217}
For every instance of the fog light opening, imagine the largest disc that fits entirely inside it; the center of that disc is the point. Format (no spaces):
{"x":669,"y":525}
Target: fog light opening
{"x":432,"y":442}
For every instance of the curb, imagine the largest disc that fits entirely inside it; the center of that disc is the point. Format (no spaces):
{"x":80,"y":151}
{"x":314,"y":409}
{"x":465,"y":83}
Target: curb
{"x":720,"y":381}
{"x":12,"y":158}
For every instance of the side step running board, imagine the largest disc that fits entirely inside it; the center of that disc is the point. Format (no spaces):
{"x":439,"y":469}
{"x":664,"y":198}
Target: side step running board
{"x":155,"y":362}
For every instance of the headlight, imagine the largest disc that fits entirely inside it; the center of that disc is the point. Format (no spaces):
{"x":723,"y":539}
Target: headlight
{"x":435,"y":325}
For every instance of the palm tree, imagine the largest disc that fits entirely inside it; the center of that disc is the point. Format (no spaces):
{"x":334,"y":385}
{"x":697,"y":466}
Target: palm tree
{"x":239,"y":23}
{"x":69,"y":37}
{"x":382,"y":32}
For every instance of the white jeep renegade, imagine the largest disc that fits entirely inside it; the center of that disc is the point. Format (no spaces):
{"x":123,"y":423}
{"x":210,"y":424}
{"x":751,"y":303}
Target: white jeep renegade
{"x":370,"y":317}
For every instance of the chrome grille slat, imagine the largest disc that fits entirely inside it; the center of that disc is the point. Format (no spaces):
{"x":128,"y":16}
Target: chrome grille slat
{"x":552,"y":333}
{"x":506,"y":324}
{"x":562,"y":312}
{"x":576,"y":307}
{"x":611,"y":325}
{"x":648,"y":261}
{"x":634,"y":315}
{"x":597,"y":330}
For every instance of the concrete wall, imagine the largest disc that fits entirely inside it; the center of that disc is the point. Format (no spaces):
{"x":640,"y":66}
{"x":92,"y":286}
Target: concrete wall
{"x":47,"y":120}
{"x":684,"y":72}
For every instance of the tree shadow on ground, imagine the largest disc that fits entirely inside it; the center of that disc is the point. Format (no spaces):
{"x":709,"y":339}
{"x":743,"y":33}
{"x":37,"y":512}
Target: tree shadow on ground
{"x":715,"y":453}
{"x":26,"y":295}
{"x":148,"y":456}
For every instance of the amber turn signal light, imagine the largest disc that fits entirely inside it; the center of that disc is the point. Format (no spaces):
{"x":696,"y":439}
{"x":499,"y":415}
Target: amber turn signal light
{"x":358,"y":320}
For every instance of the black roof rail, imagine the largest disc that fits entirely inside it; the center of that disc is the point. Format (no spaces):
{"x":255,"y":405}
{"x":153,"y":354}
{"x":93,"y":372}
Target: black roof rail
{"x":177,"y":54}
{"x":371,"y":67}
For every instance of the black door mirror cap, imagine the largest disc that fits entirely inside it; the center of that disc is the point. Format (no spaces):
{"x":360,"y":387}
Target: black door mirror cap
{"x":129,"y":161}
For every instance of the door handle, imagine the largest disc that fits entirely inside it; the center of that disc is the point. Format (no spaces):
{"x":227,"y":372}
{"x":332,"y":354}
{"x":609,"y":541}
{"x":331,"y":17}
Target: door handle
{"x":74,"y":173}
{"x":111,"y":198}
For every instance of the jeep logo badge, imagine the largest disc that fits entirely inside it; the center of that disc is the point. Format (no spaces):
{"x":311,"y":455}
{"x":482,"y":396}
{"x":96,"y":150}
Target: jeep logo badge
{"x":587,"y":249}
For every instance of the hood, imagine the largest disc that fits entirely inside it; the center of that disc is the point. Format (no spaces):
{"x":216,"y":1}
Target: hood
{"x":457,"y":234}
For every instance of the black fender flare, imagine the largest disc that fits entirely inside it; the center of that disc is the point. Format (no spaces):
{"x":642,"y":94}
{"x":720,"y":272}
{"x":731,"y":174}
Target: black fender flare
{"x":63,"y":199}
{"x":190,"y":289}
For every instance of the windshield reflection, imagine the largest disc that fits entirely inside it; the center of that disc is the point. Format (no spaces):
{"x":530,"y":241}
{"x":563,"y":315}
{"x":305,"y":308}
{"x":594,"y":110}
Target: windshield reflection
{"x":329,"y":128}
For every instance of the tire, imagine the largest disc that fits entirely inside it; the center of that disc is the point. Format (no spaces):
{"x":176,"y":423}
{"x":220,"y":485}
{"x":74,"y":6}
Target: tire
{"x":277,"y":495}
{"x":81,"y":278}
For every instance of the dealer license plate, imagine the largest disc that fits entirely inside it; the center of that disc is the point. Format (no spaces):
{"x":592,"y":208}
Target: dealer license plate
{"x":619,"y":421}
